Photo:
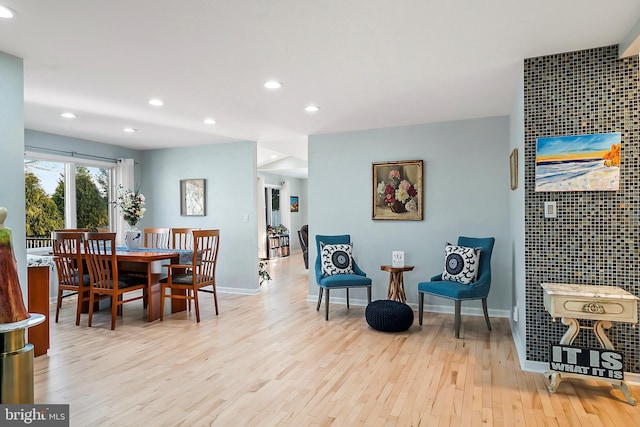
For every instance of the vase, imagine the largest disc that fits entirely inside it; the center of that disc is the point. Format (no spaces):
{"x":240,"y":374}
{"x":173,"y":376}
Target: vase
{"x":133,"y":238}
{"x":398,"y":207}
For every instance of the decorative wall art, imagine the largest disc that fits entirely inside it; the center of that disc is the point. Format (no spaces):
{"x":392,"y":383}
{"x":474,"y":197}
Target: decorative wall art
{"x":578,"y":163}
{"x":294,"y":203}
{"x":513,"y":168}
{"x":193,"y":201}
{"x":397,"y":190}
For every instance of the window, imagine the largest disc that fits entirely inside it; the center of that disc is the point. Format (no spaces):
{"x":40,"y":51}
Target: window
{"x":65,"y":193}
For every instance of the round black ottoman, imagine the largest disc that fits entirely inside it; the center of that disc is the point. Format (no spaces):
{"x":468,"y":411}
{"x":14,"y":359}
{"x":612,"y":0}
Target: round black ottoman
{"x":389,"y":316}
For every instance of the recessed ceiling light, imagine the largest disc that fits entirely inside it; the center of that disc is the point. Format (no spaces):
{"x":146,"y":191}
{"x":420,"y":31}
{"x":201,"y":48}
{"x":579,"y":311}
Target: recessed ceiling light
{"x":209,"y":121}
{"x":273,"y":156}
{"x":273,"y":84}
{"x":311,"y":108}
{"x":7,"y":13}
{"x":156,"y":102}
{"x":130,"y":130}
{"x":68,"y":115}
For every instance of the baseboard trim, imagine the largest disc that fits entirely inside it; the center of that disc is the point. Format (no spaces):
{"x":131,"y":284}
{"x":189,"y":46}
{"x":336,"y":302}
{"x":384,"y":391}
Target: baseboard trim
{"x":237,"y":291}
{"x":467,"y":311}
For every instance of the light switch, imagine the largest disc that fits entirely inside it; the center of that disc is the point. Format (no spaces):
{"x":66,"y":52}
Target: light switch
{"x":550,"y":210}
{"x":246,"y":217}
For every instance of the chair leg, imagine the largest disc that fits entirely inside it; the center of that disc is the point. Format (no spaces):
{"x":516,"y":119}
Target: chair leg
{"x":420,"y":307}
{"x":162,"y":292}
{"x":120,"y":306}
{"x":78,"y":307}
{"x":114,"y":310}
{"x":58,"y":304}
{"x":486,"y":313}
{"x":90,"y":308}
{"x":369,"y":295}
{"x":457,"y":324}
{"x":215,"y":297}
{"x":347,"y":298}
{"x":326,"y":306}
{"x":319,"y":298}
{"x":196,"y":305}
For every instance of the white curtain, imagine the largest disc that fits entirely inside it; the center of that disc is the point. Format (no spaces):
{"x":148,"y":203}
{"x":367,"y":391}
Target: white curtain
{"x":124,"y":177}
{"x":262,"y":220}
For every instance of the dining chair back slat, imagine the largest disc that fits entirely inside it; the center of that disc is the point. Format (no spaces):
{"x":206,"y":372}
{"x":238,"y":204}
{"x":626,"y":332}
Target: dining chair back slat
{"x":182,"y":238}
{"x":156,"y":237}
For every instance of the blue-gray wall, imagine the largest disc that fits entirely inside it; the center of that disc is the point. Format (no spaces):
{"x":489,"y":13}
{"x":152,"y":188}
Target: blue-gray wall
{"x":230,"y":171}
{"x":12,"y":156}
{"x":466,"y":192}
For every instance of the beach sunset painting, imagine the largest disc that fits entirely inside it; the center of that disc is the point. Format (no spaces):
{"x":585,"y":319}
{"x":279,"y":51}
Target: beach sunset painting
{"x":578,"y":163}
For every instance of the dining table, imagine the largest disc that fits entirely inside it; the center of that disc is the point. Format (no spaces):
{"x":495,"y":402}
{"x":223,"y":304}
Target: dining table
{"x":148,"y":262}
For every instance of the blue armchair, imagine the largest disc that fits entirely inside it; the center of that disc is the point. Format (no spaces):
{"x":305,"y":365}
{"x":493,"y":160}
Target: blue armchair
{"x":460,"y":292}
{"x":346,"y":281}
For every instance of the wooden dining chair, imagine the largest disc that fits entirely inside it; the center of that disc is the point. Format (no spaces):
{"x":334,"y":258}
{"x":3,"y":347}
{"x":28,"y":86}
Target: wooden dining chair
{"x":182,"y":238}
{"x":156,"y":237}
{"x":101,"y":259}
{"x":201,"y":272}
{"x":72,"y":279}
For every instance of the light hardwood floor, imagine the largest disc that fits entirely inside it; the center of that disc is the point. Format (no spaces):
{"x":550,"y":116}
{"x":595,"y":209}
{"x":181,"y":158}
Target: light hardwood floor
{"x":272,"y":360}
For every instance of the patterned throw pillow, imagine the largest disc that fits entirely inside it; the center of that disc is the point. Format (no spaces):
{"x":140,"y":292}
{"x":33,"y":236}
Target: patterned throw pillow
{"x":336,"y":259}
{"x":461,"y":264}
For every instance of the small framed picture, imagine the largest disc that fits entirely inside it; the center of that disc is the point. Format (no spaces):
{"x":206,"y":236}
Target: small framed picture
{"x":397,"y":258}
{"x":294,"y":203}
{"x":193,"y":197}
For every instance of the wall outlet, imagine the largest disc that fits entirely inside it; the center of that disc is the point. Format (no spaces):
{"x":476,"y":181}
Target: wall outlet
{"x":515,"y":313}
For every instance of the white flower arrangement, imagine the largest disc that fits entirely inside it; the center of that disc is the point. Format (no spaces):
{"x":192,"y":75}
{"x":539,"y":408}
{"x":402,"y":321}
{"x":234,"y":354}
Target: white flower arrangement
{"x":131,"y":205}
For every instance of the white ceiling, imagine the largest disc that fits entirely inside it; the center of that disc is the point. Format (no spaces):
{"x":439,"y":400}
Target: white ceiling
{"x":366,"y":63}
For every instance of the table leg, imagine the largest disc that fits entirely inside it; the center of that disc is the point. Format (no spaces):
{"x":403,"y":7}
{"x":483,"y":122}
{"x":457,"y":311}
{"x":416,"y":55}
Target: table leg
{"x":568,"y":338}
{"x":153,"y":294}
{"x":178,"y":304}
{"x":390,"y":291}
{"x":403,"y":297}
{"x":600,"y":330}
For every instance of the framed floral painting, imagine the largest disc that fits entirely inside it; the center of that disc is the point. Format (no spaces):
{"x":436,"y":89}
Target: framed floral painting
{"x":397,"y":190}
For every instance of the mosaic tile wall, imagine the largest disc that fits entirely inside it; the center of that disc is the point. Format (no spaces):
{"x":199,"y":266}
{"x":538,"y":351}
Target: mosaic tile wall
{"x":596,"y":237}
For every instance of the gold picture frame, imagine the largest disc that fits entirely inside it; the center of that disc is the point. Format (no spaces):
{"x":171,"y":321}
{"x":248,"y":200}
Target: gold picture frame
{"x":513,"y":168}
{"x":397,"y":190}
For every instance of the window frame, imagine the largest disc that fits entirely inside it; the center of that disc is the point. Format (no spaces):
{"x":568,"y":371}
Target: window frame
{"x":70,"y":166}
